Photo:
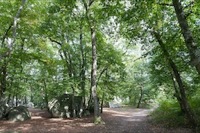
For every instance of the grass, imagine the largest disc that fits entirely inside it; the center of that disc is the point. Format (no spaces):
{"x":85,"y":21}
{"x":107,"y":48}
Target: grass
{"x":168,"y":114}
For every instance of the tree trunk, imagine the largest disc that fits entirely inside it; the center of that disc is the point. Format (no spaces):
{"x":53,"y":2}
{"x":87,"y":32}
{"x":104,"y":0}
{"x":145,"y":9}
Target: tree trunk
{"x":71,"y":73}
{"x":187,"y":34}
{"x":184,"y":102}
{"x":16,"y":100}
{"x":94,"y":72}
{"x":177,"y":94}
{"x":46,"y":99}
{"x":102,"y":102}
{"x":91,"y":22}
{"x":83,"y":67}
{"x":8,"y":100}
{"x":25,"y":100}
{"x":141,"y":96}
{"x":3,"y":79}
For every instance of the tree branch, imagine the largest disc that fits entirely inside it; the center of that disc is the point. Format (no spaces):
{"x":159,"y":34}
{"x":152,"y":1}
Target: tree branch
{"x":85,"y":5}
{"x":55,"y":41}
{"x":165,"y":4}
{"x":188,"y":14}
{"x":190,"y":4}
{"x":91,"y":2}
{"x":6,"y":34}
{"x":15,"y":22}
{"x":101,"y":74}
{"x":142,"y":56}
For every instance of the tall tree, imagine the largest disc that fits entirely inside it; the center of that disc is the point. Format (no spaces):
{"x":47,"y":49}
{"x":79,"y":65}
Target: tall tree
{"x":92,"y":26}
{"x":181,"y":96}
{"x":9,"y":48}
{"x":190,"y":42}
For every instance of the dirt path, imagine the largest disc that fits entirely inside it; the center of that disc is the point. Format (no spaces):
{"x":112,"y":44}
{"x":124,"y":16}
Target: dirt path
{"x":118,"y":120}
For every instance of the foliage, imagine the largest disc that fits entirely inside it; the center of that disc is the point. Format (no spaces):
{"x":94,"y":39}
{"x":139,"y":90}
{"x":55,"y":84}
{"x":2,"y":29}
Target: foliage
{"x":168,"y":114}
{"x":50,"y":54}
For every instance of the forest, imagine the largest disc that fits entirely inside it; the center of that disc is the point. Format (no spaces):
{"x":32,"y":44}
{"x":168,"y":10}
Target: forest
{"x":144,"y":52}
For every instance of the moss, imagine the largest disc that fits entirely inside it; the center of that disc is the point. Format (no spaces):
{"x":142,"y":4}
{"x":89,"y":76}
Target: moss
{"x":98,"y":120}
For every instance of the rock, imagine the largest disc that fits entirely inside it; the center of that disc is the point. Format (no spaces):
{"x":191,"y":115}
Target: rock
{"x":78,"y":105}
{"x":4,"y":109}
{"x":62,"y":106}
{"x":86,"y":113}
{"x":19,"y":113}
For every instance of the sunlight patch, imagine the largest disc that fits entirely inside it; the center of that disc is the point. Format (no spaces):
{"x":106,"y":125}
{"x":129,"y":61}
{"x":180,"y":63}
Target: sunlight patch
{"x":87,"y":125}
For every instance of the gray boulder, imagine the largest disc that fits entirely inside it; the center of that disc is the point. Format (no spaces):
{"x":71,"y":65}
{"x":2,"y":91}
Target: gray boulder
{"x":62,"y":106}
{"x":19,"y":113}
{"x":4,"y":108}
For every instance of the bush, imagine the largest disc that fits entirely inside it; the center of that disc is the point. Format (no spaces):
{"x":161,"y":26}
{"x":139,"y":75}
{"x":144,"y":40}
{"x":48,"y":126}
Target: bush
{"x":168,"y":114}
{"x":195,"y":104}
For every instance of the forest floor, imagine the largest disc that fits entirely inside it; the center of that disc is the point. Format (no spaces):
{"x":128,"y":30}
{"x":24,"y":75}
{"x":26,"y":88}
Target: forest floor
{"x":117,"y":120}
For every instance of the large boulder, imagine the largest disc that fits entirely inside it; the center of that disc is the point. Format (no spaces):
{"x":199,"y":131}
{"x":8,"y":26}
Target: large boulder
{"x":62,"y":106}
{"x":3,"y":111}
{"x":4,"y":108}
{"x":19,"y":113}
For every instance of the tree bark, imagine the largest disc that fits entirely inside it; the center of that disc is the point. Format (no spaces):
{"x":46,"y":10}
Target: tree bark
{"x":183,"y":98}
{"x":16,"y":98}
{"x":94,"y":61}
{"x":102,"y":102}
{"x":94,"y":72}
{"x":3,"y":79}
{"x":177,"y":93}
{"x":83,"y":66}
{"x":187,"y":34}
{"x":8,"y":100}
{"x":46,"y":99}
{"x":100,"y":75}
{"x":141,"y":96}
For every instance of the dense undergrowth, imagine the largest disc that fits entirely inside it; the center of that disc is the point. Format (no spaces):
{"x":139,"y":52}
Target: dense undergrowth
{"x":168,"y":113}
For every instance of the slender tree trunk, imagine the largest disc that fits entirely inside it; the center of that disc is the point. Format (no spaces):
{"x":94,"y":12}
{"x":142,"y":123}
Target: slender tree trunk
{"x":141,"y":96}
{"x":185,"y":105}
{"x":68,"y":59}
{"x":177,"y":94}
{"x":9,"y":97}
{"x":16,"y":100}
{"x":94,"y":72}
{"x":100,"y":75}
{"x":3,"y":79}
{"x":25,"y":100}
{"x":46,"y":99}
{"x":91,"y":22}
{"x":83,"y":66}
{"x":13,"y":99}
{"x":102,"y":102}
{"x":31,"y":100}
{"x":73,"y":103}
{"x":187,"y":34}
{"x":72,"y":76}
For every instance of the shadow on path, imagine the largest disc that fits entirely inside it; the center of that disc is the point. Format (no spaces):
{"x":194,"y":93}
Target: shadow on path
{"x":118,"y":120}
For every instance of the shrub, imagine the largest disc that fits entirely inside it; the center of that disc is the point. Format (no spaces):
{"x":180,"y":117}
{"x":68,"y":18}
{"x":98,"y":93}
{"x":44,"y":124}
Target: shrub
{"x":168,"y":114}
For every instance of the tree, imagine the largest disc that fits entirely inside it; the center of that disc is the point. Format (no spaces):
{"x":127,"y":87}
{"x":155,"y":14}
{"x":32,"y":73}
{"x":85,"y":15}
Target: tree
{"x":187,"y":34}
{"x":9,"y":48}
{"x":153,"y":19}
{"x":181,"y":93}
{"x":94,"y":59}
